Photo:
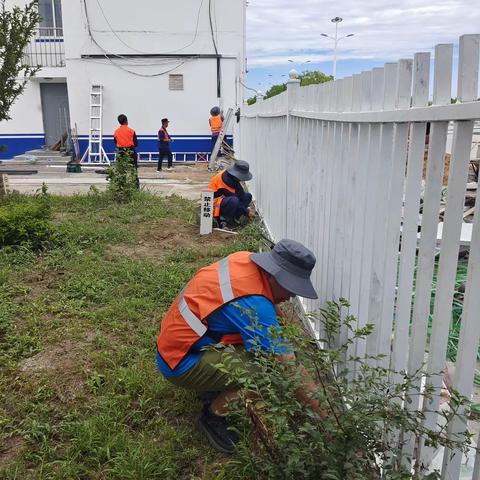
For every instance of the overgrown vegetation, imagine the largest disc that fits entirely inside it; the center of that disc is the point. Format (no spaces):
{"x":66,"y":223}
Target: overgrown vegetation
{"x":80,"y":394}
{"x":358,"y":436}
{"x":122,"y":177}
{"x":26,"y":222}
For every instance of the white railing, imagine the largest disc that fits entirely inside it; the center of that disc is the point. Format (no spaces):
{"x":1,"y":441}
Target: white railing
{"x":46,"y":49}
{"x":339,"y":167}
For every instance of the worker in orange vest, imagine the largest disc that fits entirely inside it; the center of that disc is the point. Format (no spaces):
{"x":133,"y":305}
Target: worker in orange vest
{"x":214,"y":307}
{"x":216,"y":124}
{"x":126,"y":141}
{"x":230,"y":201}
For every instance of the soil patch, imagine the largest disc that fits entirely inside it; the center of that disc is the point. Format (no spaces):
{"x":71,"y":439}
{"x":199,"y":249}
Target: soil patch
{"x":64,"y":363}
{"x":11,"y":449}
{"x":155,"y":240}
{"x":40,"y":282}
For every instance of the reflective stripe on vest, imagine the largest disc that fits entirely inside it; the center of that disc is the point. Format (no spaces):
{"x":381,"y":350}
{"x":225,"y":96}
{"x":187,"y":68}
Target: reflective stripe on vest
{"x":195,"y":324}
{"x":124,"y":136}
{"x":224,"y":280}
{"x":211,"y":288}
{"x":226,"y":288}
{"x":216,"y":184}
{"x":216,"y":124}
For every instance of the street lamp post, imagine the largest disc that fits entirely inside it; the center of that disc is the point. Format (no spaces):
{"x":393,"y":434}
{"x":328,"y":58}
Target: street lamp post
{"x":336,"y":21}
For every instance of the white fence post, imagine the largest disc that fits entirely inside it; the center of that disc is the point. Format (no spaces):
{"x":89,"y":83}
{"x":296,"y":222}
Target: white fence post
{"x":293,"y":88}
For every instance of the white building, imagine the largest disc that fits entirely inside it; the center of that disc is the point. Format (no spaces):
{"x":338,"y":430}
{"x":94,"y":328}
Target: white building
{"x":154,"y":59}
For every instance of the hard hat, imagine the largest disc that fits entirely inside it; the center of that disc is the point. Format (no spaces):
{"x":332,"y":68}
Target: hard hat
{"x":215,"y":111}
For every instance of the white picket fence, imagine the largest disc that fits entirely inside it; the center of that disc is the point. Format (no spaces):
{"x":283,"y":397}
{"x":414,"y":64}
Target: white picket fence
{"x":339,"y":167}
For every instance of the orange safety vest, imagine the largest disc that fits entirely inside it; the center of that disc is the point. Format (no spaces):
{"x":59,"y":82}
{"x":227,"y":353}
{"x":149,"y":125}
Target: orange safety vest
{"x":166,"y":136}
{"x":211,"y":288}
{"x":216,"y":124}
{"x":124,"y":137}
{"x":216,"y":183}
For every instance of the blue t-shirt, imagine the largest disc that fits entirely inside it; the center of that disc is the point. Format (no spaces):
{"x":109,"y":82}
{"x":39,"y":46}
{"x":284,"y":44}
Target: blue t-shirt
{"x":253,"y":317}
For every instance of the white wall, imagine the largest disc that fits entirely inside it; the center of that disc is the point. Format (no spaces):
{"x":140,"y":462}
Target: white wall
{"x":153,"y":27}
{"x":26,"y":112}
{"x":146,"y":100}
{"x":138,"y":86}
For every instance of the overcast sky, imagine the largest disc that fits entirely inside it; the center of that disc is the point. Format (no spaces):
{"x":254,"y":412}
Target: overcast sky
{"x":278,"y":30}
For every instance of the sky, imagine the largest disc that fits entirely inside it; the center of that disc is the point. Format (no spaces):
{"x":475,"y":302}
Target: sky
{"x":384,"y":31}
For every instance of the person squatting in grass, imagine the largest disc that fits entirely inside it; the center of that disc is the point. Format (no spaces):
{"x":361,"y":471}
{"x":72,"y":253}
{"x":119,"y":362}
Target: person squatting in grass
{"x":213,"y":308}
{"x":230,"y":201}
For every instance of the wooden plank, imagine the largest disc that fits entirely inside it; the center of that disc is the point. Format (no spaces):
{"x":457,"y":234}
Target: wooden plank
{"x":442,"y":81}
{"x":442,"y":313}
{"x":426,"y":256}
{"x":470,"y":328}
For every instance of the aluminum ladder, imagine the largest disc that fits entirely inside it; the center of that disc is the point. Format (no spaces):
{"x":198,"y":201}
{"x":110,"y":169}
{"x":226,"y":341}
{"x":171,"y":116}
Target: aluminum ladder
{"x":95,"y":152}
{"x":221,"y":136}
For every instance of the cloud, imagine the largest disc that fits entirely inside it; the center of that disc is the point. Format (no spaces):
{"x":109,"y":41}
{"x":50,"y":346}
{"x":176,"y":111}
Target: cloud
{"x":278,"y":30}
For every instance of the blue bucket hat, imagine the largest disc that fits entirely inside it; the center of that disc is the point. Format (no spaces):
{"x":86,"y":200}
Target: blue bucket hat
{"x":291,"y":264}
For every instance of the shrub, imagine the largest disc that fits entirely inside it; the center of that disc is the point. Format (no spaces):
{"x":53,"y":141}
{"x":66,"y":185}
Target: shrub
{"x":26,"y":223}
{"x":122,"y":178}
{"x":359,"y":434}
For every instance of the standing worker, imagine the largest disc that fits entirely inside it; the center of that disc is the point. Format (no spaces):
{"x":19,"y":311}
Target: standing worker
{"x":126,"y":141}
{"x":230,"y":201}
{"x":215,"y":307}
{"x":216,"y":124}
{"x":164,"y":141}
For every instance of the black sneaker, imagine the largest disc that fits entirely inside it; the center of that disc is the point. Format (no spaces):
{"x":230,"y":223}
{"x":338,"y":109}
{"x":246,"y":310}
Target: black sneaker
{"x":216,"y":430}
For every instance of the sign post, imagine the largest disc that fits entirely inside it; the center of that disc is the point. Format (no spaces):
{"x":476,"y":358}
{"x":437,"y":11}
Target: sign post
{"x":206,"y":216}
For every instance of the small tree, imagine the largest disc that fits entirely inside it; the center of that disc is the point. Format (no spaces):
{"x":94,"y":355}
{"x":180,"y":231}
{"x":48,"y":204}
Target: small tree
{"x":122,"y":178}
{"x":17,"y":27}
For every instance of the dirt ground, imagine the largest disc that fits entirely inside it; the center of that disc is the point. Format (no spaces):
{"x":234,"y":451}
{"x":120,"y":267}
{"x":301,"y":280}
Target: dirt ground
{"x":155,"y":239}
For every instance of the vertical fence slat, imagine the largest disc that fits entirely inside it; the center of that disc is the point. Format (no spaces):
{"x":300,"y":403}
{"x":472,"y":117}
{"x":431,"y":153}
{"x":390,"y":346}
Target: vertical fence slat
{"x":469,"y":334}
{"x":426,"y":253}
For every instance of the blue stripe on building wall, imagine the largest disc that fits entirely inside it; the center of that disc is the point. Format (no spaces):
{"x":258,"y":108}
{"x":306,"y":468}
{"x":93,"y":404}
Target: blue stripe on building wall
{"x":181,"y":143}
{"x":17,"y":144}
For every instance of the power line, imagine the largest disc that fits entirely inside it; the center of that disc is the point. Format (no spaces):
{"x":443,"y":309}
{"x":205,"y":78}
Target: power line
{"x":139,"y":51}
{"x":108,"y":55}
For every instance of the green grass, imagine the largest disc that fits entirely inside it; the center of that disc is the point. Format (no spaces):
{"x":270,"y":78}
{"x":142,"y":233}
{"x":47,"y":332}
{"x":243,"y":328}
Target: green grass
{"x":80,"y":395}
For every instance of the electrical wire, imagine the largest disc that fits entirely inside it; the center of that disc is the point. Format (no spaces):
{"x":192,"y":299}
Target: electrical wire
{"x":211,"y":26}
{"x":219,"y":67}
{"x":248,"y":88}
{"x":139,"y":51}
{"x":108,"y":55}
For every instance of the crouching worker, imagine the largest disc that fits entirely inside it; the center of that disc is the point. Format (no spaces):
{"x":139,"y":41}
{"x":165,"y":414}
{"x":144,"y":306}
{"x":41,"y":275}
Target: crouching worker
{"x":230,"y":201}
{"x":213,"y":308}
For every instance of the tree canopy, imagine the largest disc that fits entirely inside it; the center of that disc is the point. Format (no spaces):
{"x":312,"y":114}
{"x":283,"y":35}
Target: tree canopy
{"x":306,"y":78}
{"x":17,"y":27}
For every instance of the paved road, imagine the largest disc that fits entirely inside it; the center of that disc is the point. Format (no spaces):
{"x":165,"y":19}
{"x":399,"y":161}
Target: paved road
{"x":185,"y":181}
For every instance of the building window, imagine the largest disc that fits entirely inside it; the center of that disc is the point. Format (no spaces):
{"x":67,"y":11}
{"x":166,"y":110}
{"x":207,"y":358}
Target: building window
{"x":175,"y":82}
{"x":51,"y":18}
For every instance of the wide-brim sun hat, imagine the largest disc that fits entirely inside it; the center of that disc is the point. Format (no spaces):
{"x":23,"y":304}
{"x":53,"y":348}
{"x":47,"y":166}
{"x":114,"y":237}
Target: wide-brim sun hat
{"x":240,"y":170}
{"x":291,"y":264}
